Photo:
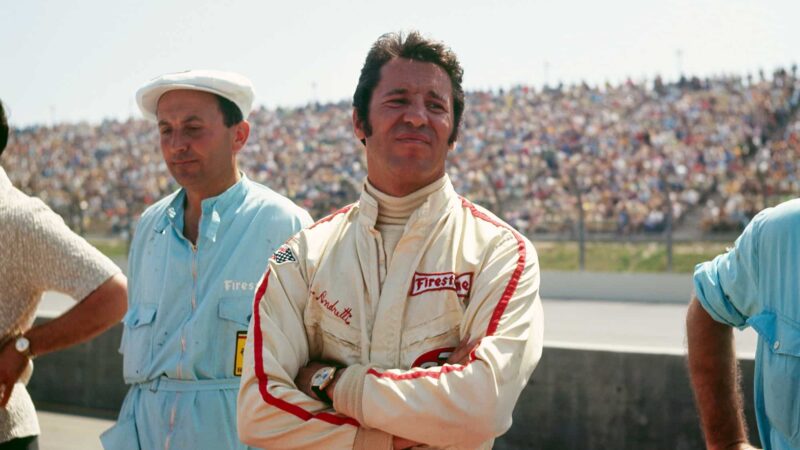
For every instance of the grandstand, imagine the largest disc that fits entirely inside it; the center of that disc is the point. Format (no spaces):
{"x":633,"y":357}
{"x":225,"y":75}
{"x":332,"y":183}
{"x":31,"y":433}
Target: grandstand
{"x":708,"y":153}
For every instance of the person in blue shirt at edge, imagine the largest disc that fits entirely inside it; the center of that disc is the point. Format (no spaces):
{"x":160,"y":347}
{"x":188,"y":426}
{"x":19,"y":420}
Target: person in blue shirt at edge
{"x":754,"y":284}
{"x":194,"y":263}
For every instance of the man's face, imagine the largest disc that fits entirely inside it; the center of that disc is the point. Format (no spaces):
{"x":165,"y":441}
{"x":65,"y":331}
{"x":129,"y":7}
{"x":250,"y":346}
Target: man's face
{"x":411,"y":117}
{"x":197,"y":146}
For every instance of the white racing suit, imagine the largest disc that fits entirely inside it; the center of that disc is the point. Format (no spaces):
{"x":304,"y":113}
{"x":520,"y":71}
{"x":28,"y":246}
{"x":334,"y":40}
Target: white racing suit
{"x":329,"y":294}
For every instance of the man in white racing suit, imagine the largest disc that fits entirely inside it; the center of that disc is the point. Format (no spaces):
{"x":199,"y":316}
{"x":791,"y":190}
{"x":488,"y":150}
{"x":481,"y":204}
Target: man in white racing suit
{"x":410,"y":318}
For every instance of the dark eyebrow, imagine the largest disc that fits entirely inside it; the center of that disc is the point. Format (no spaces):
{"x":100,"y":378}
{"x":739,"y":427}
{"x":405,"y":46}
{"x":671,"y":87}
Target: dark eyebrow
{"x":437,"y":96}
{"x":398,"y":91}
{"x":193,"y":118}
{"x":401,"y":91}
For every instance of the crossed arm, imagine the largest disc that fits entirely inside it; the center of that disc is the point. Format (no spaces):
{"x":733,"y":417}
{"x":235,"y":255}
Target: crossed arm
{"x":303,"y":380}
{"x":452,"y":405}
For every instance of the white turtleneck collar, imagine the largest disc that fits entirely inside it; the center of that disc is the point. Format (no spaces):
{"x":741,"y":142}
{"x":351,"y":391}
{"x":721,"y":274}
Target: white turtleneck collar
{"x":394,"y":212}
{"x":397,"y":210}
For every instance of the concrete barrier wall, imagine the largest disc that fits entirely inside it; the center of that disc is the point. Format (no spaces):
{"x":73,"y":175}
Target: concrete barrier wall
{"x":641,"y":287}
{"x":580,"y":399}
{"x":577,"y":399}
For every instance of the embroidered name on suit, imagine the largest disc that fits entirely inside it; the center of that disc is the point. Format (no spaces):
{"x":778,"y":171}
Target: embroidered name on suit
{"x":333,"y":306}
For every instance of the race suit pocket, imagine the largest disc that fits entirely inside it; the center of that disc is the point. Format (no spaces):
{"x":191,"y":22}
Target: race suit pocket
{"x":235,"y":313}
{"x":137,"y":340}
{"x":122,"y":436}
{"x":440,"y":333}
{"x":337,"y":341}
{"x":780,"y":372}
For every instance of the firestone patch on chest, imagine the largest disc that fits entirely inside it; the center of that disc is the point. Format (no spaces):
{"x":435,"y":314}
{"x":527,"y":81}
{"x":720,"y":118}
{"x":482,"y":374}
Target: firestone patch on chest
{"x":450,"y":281}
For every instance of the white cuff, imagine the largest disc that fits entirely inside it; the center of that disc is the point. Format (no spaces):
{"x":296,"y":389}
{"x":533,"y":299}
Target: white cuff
{"x":349,"y":390}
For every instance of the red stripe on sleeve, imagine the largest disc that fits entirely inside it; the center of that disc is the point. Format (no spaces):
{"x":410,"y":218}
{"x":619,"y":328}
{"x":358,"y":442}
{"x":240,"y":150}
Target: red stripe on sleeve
{"x":263,"y":379}
{"x":511,"y":287}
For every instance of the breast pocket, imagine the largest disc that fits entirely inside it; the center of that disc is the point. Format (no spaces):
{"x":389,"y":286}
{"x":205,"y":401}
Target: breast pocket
{"x":137,"y":340}
{"x":430,"y":342}
{"x":235,"y":314}
{"x":332,"y":330}
{"x":780,"y":372}
{"x":336,"y":341}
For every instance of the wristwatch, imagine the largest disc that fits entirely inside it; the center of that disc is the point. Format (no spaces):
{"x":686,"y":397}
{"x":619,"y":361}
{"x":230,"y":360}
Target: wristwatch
{"x":23,"y":346}
{"x":323,"y":378}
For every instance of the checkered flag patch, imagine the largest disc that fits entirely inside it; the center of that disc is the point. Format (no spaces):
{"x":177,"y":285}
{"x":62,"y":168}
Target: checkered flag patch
{"x":283,"y":255}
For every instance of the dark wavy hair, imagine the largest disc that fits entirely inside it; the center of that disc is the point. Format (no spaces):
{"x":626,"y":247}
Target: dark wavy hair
{"x":3,"y":128}
{"x":415,"y":47}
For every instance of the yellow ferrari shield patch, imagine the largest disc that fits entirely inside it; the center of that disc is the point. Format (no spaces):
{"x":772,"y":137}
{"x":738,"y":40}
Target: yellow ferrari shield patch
{"x":241,"y":338}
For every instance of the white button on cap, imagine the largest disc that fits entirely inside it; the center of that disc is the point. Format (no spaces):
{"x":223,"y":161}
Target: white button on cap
{"x":776,"y":345}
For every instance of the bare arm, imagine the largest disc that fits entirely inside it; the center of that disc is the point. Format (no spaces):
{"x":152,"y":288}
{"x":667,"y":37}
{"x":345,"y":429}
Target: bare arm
{"x":96,"y":313}
{"x":715,"y":380}
{"x":93,"y":315}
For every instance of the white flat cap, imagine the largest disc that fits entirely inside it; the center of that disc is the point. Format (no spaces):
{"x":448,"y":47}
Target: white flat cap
{"x":232,"y":86}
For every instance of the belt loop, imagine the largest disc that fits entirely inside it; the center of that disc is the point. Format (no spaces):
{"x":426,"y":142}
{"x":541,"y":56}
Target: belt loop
{"x":154,"y":384}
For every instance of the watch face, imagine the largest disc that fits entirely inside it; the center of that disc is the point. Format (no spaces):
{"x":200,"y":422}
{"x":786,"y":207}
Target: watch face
{"x":322,"y":376}
{"x":22,"y":344}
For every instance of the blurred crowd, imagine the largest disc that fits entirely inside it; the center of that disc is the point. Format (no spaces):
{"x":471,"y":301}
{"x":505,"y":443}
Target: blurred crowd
{"x":629,"y":158}
{"x":770,"y":176}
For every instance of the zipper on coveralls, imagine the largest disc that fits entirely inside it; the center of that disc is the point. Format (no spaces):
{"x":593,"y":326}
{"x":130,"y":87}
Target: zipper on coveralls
{"x":381,"y":263}
{"x":179,"y":370}
{"x":194,"y":306}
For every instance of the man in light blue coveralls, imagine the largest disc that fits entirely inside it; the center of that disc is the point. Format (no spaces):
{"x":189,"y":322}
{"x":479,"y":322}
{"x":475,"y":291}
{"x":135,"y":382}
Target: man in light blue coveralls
{"x":195,"y":260}
{"x":756,"y":284}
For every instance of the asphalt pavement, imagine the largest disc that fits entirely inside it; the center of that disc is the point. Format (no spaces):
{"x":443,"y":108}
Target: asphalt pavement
{"x":70,"y":432}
